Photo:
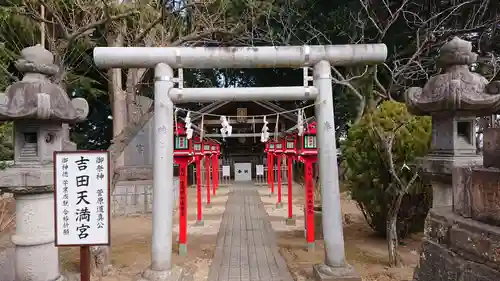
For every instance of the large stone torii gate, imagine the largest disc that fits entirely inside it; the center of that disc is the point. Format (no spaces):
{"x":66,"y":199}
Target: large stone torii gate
{"x":163,"y":59}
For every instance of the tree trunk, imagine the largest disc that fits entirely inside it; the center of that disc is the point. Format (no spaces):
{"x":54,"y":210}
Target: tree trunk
{"x":392,"y":230}
{"x":101,"y":256}
{"x":392,"y":238}
{"x":118,"y":98}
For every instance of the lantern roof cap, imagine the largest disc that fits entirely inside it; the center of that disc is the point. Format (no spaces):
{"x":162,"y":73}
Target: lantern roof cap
{"x":311,"y":128}
{"x":36,"y":97}
{"x":180,"y":129}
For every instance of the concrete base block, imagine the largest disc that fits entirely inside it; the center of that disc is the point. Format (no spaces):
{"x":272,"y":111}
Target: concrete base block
{"x":290,"y":221}
{"x":174,"y":274}
{"x":183,"y":249}
{"x":310,"y":247}
{"x":208,"y":206}
{"x":279,"y":205}
{"x":322,"y":272}
{"x":199,"y":223}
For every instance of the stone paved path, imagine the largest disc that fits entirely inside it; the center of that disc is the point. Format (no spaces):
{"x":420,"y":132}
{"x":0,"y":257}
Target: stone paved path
{"x":246,"y":244}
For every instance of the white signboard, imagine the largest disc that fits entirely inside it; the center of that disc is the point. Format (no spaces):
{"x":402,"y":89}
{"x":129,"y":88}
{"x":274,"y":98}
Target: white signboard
{"x":226,"y":171}
{"x":259,"y":170}
{"x":81,"y":198}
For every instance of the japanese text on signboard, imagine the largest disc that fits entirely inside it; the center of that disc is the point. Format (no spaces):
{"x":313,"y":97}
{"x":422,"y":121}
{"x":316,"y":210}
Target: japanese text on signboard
{"x":81,"y":198}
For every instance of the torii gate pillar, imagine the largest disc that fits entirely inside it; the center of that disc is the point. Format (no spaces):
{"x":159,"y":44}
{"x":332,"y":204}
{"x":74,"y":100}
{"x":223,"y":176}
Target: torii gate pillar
{"x":335,"y":267}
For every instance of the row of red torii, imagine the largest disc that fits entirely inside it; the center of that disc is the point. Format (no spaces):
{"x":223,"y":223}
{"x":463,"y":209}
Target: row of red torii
{"x":188,"y":151}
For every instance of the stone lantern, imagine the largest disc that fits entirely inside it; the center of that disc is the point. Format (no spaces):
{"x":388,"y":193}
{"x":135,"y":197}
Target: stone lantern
{"x":39,"y":109}
{"x":457,"y":244}
{"x":453,"y":99}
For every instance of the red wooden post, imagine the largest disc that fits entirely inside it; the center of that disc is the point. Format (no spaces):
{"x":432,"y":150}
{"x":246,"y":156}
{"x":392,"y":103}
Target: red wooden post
{"x":266,"y":150}
{"x":278,"y":159}
{"x":217,"y":173}
{"x":271,"y":157}
{"x":199,"y":209}
{"x":290,"y":189}
{"x":290,"y":146}
{"x":207,"y":151}
{"x":213,"y":149}
{"x":183,"y":155}
{"x":198,"y":152}
{"x":309,"y":155}
{"x":217,"y":168}
{"x":309,"y":181}
{"x":85,"y":263}
{"x":183,"y":164}
{"x":207,"y":173}
{"x":214,"y":173}
{"x":278,"y":151}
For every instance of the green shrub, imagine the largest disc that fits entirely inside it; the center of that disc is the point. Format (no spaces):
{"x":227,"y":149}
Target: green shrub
{"x":366,"y":167}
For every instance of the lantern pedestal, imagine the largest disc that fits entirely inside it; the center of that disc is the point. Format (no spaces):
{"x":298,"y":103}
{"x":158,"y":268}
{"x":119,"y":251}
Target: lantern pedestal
{"x":183,"y":250}
{"x":291,"y":221}
{"x":322,"y":272}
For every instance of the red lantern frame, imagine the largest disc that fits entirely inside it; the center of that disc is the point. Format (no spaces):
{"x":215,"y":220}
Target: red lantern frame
{"x":183,"y":155}
{"x":308,"y":141}
{"x":290,"y":144}
{"x":183,"y":147}
{"x":309,"y":155}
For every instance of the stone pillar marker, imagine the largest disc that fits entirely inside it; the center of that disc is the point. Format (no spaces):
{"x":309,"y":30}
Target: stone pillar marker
{"x":456,"y":245}
{"x":38,"y":109}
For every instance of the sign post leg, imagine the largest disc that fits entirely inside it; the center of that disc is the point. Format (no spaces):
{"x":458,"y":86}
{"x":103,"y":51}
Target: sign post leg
{"x":290,"y":220}
{"x":279,"y":204}
{"x":207,"y":173}
{"x":183,"y":209}
{"x":199,"y":209}
{"x":85,"y":263}
{"x":309,"y":205}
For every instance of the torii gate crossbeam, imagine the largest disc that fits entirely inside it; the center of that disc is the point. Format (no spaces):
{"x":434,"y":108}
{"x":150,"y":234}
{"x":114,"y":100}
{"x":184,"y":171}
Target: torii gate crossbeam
{"x":163,"y":59}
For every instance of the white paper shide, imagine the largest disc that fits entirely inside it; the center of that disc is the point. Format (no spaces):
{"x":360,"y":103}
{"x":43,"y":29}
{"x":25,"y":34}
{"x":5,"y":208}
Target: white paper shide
{"x":259,"y":170}
{"x":226,"y":171}
{"x":82,"y":204}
